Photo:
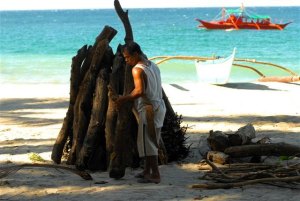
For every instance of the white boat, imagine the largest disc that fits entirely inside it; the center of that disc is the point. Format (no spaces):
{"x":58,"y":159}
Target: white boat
{"x":215,"y":71}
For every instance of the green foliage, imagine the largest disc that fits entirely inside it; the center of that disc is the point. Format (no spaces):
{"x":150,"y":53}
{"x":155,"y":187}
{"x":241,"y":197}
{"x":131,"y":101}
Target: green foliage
{"x":284,"y":158}
{"x":35,"y":157}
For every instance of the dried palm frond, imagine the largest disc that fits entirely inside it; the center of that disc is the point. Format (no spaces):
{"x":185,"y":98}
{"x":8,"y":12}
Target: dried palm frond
{"x":5,"y":171}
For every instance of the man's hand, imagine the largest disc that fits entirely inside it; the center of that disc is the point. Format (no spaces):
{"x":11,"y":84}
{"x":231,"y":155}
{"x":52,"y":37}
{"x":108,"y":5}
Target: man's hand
{"x":119,"y":102}
{"x":115,"y":98}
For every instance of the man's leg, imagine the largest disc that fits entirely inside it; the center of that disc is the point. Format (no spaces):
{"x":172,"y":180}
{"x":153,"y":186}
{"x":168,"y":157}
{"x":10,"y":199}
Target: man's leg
{"x":147,"y":168}
{"x":154,"y":167}
{"x":154,"y":177}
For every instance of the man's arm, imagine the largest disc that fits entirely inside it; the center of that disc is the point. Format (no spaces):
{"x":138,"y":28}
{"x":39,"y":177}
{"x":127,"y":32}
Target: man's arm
{"x":138,"y":91}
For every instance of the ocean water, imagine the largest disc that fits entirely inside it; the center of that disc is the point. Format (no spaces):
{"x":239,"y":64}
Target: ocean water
{"x":38,"y":46}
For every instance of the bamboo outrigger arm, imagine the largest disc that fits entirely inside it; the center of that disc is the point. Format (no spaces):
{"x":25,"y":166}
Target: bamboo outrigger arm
{"x":249,"y":67}
{"x":166,"y":58}
{"x":267,"y":63}
{"x":163,"y":59}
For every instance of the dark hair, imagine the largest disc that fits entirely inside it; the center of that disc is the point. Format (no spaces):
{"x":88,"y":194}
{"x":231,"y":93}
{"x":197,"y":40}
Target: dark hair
{"x":133,"y":47}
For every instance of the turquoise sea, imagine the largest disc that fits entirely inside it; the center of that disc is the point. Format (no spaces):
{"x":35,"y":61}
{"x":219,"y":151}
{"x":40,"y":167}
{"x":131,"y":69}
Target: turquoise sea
{"x":38,"y":46}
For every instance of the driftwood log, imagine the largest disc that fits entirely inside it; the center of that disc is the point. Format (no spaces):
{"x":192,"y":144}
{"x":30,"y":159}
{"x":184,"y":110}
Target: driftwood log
{"x":273,"y":149}
{"x":219,"y":141}
{"x":285,"y":79}
{"x":227,"y":148}
{"x":67,"y":127}
{"x":96,"y":136}
{"x":124,"y":149}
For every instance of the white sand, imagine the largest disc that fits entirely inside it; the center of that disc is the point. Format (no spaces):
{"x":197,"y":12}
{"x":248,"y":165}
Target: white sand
{"x":32,"y":115}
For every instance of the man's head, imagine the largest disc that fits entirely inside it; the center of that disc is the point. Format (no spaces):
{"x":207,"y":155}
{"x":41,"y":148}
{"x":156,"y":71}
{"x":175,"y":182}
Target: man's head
{"x":132,"y":53}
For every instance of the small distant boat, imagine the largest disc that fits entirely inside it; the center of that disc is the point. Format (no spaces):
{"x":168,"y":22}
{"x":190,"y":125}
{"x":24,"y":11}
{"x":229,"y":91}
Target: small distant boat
{"x":240,"y":19}
{"x":215,"y":71}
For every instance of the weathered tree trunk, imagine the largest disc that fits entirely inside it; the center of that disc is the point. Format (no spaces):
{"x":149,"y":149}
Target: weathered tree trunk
{"x":217,"y":140}
{"x":244,"y":135}
{"x":125,"y":133}
{"x":116,"y":83}
{"x":126,"y":23}
{"x":83,"y":105}
{"x":67,"y":127}
{"x":95,"y":132}
{"x":124,"y":149}
{"x":86,"y":64}
{"x":276,"y":149}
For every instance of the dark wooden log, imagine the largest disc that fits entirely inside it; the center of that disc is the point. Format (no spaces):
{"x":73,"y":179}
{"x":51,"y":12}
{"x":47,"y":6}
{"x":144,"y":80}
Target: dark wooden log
{"x":116,"y":83}
{"x":67,"y":126}
{"x":243,"y":135}
{"x":276,"y":149}
{"x":95,"y":137}
{"x":107,"y":33}
{"x":124,"y":149}
{"x":125,"y":133}
{"x":217,"y":140}
{"x":83,"y":105}
{"x":247,"y":133}
{"x":86,"y":63}
{"x":126,"y":23}
{"x":96,"y":142}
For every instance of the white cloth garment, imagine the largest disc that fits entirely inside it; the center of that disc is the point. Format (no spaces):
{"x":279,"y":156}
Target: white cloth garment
{"x":153,"y":96}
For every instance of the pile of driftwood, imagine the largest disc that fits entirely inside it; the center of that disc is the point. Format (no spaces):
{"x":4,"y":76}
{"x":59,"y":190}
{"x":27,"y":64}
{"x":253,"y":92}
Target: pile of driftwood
{"x":224,"y":165}
{"x":241,"y":174}
{"x":96,"y":136}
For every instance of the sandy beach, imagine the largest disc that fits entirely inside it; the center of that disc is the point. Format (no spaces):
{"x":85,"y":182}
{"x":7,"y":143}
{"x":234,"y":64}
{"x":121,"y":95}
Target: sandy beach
{"x":32,"y":115}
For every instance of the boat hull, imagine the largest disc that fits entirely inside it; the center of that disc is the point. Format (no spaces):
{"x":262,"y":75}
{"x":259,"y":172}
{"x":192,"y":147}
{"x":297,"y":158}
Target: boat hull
{"x":215,"y":71}
{"x":225,"y":25}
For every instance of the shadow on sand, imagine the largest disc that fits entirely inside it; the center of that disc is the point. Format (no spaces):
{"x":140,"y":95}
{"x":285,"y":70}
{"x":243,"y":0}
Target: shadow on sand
{"x":248,"y":86}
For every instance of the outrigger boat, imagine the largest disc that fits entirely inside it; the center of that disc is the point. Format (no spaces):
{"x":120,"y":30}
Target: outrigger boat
{"x":237,"y":62}
{"x":240,"y":19}
{"x":216,"y":71}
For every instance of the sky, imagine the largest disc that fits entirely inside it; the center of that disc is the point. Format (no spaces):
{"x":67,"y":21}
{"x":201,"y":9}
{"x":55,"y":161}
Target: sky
{"x":100,"y":4}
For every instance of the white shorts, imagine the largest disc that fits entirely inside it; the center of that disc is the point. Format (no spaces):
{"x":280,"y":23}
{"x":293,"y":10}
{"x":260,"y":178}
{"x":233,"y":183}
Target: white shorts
{"x":146,"y":146}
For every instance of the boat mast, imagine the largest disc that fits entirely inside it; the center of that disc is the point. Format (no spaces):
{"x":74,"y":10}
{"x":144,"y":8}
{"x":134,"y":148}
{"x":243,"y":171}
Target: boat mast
{"x":223,"y":14}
